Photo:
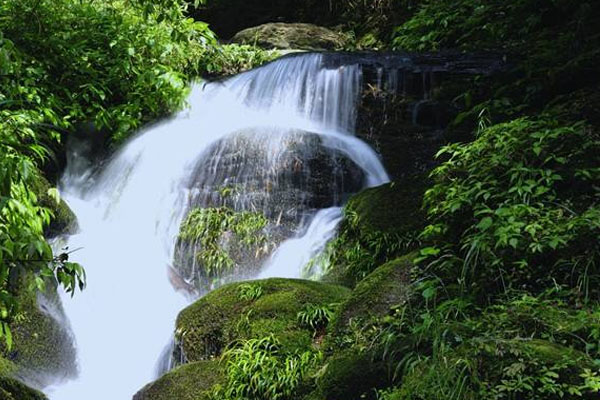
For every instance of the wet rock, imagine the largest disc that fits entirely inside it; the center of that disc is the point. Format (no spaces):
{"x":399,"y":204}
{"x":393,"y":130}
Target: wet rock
{"x":281,"y":174}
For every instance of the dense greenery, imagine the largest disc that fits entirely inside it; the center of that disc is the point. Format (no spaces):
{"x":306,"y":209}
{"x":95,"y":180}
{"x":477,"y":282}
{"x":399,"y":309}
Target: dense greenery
{"x":255,"y":370}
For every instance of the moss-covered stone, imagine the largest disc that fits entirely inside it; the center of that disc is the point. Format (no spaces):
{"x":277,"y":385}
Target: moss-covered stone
{"x":291,"y":36}
{"x":350,"y":375}
{"x":206,"y":327}
{"x":187,"y":382}
{"x":12,"y":389}
{"x":43,"y":350}
{"x":63,"y":219}
{"x":377,"y":294}
{"x":379,"y":224}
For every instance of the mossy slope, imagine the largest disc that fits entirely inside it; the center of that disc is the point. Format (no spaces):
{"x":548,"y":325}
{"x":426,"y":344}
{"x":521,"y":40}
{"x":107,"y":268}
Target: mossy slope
{"x":186,"y":382}
{"x":206,"y":327}
{"x":379,"y":224}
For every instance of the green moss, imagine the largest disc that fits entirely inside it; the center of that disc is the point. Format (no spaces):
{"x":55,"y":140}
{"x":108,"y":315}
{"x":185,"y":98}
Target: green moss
{"x":11,"y":389}
{"x":63,"y":219}
{"x":376,"y":295}
{"x":206,"y":327}
{"x":187,"y":382}
{"x":379,"y":224}
{"x":350,"y":375}
{"x":42,"y":348}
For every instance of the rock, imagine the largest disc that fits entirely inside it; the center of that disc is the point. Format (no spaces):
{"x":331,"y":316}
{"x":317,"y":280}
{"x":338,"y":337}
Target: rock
{"x":284,"y":36}
{"x":187,"y":382}
{"x":63,"y":220}
{"x":350,"y":375}
{"x":226,"y":17}
{"x":43,"y":350}
{"x":217,"y":243}
{"x":379,"y":224}
{"x":377,"y":295}
{"x":253,"y":309}
{"x":12,"y":389}
{"x":281,"y":173}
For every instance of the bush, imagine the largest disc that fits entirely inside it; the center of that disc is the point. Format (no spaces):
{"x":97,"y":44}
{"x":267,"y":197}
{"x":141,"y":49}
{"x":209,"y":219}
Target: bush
{"x":517,"y":208}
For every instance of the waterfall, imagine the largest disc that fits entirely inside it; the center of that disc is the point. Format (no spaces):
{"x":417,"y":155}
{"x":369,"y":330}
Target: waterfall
{"x":275,"y":133}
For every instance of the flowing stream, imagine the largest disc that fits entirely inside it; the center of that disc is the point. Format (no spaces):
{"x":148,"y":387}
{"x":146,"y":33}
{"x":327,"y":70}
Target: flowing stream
{"x":257,"y":132}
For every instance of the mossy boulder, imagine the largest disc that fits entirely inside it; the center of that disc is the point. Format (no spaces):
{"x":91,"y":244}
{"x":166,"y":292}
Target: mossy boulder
{"x":376,"y":295}
{"x":186,"y":382}
{"x":284,"y":36}
{"x":379,"y":225}
{"x":350,"y":375}
{"x":252,"y":309}
{"x":12,"y":389}
{"x":63,"y":219}
{"x":43,"y":349}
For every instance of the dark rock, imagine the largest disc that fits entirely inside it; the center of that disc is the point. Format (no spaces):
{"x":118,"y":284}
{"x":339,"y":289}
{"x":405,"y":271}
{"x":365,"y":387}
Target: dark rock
{"x":43,"y":350}
{"x":351,"y":375}
{"x":377,"y":295}
{"x":281,"y":174}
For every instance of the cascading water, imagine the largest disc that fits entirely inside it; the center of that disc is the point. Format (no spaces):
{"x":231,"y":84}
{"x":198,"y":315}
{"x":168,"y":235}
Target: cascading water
{"x":263,"y":131}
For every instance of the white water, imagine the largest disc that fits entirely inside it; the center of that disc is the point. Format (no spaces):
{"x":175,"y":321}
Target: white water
{"x":130,"y":213}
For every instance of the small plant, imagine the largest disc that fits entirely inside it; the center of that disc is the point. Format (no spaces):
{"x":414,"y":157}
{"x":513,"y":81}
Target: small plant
{"x":315,"y":317}
{"x":250,"y":291}
{"x":205,"y":228}
{"x":257,"y":369}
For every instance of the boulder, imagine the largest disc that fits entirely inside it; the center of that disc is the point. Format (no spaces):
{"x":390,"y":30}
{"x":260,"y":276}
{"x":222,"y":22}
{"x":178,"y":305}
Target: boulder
{"x":226,"y":17}
{"x":187,"y":382}
{"x":377,"y":295}
{"x":43,"y":350}
{"x":379,"y":224}
{"x":278,"y":35}
{"x":253,"y":309}
{"x":12,"y":389}
{"x":350,"y":375}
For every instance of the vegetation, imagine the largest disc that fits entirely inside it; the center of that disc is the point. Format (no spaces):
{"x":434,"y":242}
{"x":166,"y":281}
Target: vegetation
{"x":256,"y":370}
{"x":208,"y":327}
{"x":205,"y":228}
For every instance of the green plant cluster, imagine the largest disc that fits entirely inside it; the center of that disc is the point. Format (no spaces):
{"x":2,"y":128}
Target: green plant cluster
{"x":250,"y":291}
{"x":256,"y":370}
{"x":518,"y":208}
{"x":316,"y":317}
{"x":205,"y":227}
{"x":523,"y":347}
